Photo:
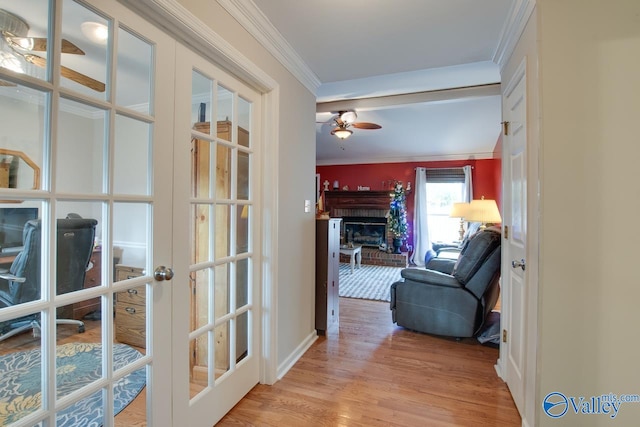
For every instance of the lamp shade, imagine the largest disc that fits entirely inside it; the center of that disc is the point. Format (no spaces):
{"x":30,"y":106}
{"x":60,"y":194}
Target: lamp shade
{"x":459,"y":210}
{"x":342,"y":132}
{"x":484,"y":211}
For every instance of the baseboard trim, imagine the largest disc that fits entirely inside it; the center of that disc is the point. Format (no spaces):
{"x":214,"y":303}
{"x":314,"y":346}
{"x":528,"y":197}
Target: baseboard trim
{"x":291,"y":360}
{"x":499,"y":369}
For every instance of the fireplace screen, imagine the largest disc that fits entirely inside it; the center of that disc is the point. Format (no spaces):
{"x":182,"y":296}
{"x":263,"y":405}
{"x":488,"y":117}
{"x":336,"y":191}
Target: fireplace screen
{"x":365,"y":231}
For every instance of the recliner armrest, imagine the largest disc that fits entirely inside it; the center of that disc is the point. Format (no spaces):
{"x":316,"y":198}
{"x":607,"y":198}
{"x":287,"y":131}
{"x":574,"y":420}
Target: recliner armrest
{"x":430,"y":277}
{"x":8,"y":276}
{"x":443,"y":265}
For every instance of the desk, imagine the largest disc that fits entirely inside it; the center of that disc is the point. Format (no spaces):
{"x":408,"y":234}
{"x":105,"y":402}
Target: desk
{"x":354,"y":253}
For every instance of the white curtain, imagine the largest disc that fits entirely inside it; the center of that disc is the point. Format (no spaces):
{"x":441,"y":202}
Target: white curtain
{"x":421,"y":242}
{"x":468,"y":185}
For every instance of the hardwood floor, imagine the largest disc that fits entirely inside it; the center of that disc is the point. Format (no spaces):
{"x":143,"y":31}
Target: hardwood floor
{"x":369,"y":373}
{"x":373,"y":373}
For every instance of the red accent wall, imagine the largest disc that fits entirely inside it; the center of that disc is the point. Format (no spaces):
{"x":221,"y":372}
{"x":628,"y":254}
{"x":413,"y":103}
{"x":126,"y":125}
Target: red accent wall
{"x":486,"y":175}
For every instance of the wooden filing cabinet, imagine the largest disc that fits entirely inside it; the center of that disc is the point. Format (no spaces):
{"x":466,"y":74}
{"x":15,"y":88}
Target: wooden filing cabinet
{"x":131,"y":309}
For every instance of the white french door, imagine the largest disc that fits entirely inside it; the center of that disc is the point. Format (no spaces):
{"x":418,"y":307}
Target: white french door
{"x":514,"y":275}
{"x":216,"y":318}
{"x":107,"y":118}
{"x":84,"y":135}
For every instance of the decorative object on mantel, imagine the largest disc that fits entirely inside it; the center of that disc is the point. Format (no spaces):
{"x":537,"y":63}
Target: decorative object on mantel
{"x":345,"y":188}
{"x":326,"y":185}
{"x":397,"y":218}
{"x":361,"y":188}
{"x":336,"y":185}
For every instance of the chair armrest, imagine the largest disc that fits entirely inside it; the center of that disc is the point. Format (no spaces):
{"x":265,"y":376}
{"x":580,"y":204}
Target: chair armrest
{"x":430,"y":277}
{"x":438,"y":246}
{"x":443,"y":265}
{"x":7,"y":276}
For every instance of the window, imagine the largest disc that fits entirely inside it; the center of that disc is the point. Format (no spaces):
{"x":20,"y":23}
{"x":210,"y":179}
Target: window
{"x":440,"y":198}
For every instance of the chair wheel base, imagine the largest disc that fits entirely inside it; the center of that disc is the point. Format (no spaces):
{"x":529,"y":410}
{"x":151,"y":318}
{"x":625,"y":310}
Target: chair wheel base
{"x":81,"y":329}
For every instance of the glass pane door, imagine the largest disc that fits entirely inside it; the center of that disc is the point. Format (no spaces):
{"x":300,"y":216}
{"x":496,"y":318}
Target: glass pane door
{"x":216,"y":331}
{"x":78,"y":214}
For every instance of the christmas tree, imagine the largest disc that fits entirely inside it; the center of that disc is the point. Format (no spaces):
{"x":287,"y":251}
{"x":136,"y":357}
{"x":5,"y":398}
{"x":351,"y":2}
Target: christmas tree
{"x":398,"y":212}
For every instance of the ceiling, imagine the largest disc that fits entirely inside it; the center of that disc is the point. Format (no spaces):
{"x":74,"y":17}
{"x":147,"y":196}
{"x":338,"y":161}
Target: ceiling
{"x":365,"y":51}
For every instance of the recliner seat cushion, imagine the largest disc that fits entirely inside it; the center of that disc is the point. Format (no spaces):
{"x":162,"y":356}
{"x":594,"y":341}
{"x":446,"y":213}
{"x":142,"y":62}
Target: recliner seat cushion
{"x":479,"y":248}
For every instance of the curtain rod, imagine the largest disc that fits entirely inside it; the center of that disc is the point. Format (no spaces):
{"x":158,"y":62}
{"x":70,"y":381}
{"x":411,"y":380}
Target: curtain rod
{"x":450,"y":167}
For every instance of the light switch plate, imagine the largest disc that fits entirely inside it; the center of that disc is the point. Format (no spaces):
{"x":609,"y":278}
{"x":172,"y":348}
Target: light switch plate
{"x":307,"y":206}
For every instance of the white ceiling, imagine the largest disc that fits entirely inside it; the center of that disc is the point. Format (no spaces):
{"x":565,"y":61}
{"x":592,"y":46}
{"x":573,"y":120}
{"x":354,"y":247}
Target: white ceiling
{"x":371,"y":48}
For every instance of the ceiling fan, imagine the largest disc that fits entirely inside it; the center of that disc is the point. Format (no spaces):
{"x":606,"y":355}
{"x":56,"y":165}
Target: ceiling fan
{"x":346,"y":119}
{"x":16,"y":44}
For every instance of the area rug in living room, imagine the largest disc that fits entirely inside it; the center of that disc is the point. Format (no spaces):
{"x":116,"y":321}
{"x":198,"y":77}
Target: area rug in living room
{"x":77,"y":364}
{"x":367,"y":282}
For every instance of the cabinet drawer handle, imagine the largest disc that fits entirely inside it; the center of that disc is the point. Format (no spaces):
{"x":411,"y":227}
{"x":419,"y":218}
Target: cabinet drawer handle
{"x":132,"y":291}
{"x":130,"y":310}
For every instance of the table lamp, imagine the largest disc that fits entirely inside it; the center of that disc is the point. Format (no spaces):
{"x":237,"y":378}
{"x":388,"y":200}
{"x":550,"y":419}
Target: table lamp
{"x":484,"y":211}
{"x":460,"y":210}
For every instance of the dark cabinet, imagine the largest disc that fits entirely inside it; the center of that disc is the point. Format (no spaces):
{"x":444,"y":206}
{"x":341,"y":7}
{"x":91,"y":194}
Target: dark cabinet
{"x":327,"y":273}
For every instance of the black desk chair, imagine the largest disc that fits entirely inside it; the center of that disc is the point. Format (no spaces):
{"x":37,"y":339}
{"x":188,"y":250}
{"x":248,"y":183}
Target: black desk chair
{"x":21,"y":284}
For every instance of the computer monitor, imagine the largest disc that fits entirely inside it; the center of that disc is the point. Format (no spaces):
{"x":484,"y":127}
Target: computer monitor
{"x":12,"y":221}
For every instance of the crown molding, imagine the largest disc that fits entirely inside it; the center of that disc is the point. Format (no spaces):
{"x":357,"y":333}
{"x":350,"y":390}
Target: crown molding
{"x":187,"y":28}
{"x":257,"y":24}
{"x":519,"y":15}
{"x":404,"y":159}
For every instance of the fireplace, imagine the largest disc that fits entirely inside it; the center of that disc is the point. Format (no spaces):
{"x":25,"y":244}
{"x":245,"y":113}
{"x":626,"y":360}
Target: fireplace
{"x":365,"y":231}
{"x":364,"y":222}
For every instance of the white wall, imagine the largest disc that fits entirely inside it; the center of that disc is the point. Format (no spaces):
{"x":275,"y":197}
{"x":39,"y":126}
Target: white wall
{"x":296,"y":182}
{"x":590,"y":144}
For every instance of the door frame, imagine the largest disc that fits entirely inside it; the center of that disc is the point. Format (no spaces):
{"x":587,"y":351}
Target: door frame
{"x":186,"y":28}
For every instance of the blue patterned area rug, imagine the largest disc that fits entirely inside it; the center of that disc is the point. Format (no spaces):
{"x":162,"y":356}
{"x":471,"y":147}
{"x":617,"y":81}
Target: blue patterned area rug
{"x":367,"y":282}
{"x":77,"y":364}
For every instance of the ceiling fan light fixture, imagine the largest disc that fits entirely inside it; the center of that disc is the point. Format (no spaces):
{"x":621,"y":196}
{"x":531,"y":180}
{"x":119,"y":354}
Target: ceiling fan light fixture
{"x":348,"y":116}
{"x":95,"y":31}
{"x":342,"y":133}
{"x":21,"y":43}
{"x":9,"y":61}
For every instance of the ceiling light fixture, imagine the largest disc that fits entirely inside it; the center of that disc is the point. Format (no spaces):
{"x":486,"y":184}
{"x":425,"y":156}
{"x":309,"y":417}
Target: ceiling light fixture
{"x":95,"y":31}
{"x":9,"y":61}
{"x":341,"y":132}
{"x":348,"y":116}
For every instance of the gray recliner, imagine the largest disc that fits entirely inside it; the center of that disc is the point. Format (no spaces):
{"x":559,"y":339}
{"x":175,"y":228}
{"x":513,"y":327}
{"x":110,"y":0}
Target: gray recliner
{"x":455,"y":304}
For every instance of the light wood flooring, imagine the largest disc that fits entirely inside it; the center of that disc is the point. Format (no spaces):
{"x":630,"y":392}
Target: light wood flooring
{"x":374,"y":373}
{"x":370,"y":373}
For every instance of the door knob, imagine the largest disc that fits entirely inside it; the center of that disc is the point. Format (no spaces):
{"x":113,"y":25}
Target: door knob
{"x":516,"y":264}
{"x":163,"y":273}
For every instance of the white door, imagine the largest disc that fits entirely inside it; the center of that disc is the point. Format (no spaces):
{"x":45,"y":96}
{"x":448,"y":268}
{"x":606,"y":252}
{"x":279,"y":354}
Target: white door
{"x":83,"y":148}
{"x":216,"y":314}
{"x":514,"y":277}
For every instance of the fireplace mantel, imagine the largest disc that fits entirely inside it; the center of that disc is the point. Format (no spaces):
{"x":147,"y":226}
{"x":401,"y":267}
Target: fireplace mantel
{"x":378,"y":200}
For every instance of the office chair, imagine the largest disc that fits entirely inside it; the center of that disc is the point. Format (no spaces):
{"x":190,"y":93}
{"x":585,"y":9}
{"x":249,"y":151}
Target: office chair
{"x":21,"y":284}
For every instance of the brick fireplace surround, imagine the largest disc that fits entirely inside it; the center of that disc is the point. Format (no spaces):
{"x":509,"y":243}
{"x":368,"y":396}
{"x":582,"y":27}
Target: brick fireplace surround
{"x":373,"y":204}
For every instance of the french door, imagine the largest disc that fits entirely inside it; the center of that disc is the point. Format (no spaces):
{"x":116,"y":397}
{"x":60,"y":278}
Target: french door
{"x":96,"y":126}
{"x":215,"y":335}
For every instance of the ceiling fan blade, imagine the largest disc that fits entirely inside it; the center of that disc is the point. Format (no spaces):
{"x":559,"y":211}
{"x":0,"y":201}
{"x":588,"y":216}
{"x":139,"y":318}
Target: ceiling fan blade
{"x":69,"y":73}
{"x":39,"y":44}
{"x":365,"y":125}
{"x":6,"y":83}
